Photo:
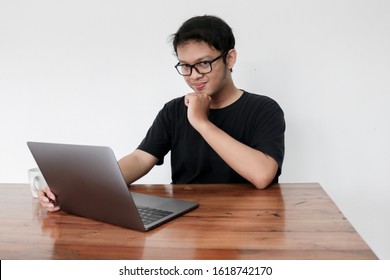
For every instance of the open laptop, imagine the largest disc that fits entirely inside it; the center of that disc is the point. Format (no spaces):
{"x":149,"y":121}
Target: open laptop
{"x":88,"y":182}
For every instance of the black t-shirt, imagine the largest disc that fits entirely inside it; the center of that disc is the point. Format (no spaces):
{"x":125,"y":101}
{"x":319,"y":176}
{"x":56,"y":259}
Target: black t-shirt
{"x":254,"y":120}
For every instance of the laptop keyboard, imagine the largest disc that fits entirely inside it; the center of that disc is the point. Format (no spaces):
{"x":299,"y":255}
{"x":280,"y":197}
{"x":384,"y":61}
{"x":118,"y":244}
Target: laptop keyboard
{"x":150,"y":215}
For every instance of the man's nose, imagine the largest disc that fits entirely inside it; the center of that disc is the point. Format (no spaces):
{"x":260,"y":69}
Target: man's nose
{"x":195,"y":74}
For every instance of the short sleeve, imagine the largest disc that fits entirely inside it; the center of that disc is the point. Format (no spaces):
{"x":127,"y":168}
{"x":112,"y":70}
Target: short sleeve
{"x":269,"y":130}
{"x":157,"y":141}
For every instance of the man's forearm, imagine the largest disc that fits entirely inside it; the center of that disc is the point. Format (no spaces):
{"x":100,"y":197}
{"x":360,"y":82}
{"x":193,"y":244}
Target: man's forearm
{"x":136,"y":165}
{"x":255,"y":166}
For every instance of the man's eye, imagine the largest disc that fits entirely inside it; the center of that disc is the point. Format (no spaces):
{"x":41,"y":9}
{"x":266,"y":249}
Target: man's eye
{"x":203,"y":64}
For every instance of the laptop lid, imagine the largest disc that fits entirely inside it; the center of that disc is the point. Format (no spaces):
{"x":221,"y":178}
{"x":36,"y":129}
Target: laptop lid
{"x":88,"y":182}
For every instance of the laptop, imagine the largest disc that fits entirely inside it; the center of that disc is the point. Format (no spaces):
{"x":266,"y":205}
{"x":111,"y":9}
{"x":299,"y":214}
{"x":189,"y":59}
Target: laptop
{"x":88,"y":182}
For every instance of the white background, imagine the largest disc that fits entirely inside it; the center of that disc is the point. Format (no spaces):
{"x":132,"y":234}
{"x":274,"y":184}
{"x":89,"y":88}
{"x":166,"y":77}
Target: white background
{"x":97,"y":72}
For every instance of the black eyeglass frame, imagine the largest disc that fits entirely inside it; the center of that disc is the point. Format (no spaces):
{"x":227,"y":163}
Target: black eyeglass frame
{"x":193,"y":66}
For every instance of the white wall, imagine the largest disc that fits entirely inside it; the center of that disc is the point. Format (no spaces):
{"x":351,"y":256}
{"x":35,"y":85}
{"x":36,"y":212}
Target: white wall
{"x":97,"y":72}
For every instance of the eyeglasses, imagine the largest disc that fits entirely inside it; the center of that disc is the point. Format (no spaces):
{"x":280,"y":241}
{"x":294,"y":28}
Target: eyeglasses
{"x":202,"y":67}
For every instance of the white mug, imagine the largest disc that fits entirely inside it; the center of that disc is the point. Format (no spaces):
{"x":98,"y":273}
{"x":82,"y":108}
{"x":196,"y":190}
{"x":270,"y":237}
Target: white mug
{"x":37,"y":181}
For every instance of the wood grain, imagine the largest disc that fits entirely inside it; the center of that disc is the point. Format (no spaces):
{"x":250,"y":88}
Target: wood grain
{"x":285,"y":221}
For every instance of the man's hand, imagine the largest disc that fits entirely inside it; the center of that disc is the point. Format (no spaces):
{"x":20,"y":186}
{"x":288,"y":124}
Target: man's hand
{"x":47,"y":199}
{"x":198,"y":107}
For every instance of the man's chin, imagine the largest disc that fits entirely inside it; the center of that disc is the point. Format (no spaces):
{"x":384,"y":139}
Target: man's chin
{"x":204,"y":92}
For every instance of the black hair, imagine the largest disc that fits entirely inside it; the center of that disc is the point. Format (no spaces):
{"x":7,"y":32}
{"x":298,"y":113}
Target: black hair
{"x":210,"y":29}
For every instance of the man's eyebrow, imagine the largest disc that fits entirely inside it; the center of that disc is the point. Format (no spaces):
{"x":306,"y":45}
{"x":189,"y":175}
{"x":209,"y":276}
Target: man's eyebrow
{"x":204,"y":58}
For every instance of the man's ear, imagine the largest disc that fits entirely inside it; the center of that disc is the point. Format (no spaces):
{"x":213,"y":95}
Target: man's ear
{"x":231,"y":59}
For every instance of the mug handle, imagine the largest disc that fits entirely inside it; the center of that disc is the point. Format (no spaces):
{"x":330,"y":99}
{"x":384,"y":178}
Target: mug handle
{"x":33,"y":182}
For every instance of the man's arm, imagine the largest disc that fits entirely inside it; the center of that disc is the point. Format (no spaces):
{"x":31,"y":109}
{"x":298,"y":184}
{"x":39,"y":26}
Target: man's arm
{"x":255,"y":166}
{"x":136,"y":165}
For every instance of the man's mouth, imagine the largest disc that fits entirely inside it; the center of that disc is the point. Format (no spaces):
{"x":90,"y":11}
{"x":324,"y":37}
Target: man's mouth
{"x":199,"y":86}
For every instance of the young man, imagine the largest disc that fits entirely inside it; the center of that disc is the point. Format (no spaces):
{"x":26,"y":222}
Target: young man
{"x":217,"y":133}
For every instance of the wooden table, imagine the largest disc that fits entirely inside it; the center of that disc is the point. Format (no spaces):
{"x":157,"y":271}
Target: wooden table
{"x":285,"y":221}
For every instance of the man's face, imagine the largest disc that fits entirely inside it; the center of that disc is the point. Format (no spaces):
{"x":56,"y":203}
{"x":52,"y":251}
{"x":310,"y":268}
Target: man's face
{"x":211,"y":83}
